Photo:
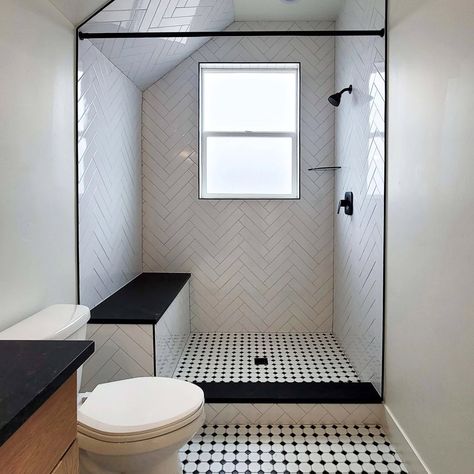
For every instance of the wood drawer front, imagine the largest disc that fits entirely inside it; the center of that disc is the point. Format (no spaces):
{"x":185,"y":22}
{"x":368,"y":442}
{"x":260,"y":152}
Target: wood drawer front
{"x":40,"y":443}
{"x":69,"y":464}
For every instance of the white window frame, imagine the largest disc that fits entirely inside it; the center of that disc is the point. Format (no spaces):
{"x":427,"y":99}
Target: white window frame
{"x":295,"y":136}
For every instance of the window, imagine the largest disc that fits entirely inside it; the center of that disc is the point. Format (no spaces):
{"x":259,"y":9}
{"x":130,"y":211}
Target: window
{"x":249,"y":130}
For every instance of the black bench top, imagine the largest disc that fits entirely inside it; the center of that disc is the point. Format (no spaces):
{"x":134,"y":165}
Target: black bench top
{"x":142,"y":301}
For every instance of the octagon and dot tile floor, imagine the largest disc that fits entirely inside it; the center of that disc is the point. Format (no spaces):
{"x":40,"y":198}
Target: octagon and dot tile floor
{"x":290,"y":449}
{"x":298,"y":357}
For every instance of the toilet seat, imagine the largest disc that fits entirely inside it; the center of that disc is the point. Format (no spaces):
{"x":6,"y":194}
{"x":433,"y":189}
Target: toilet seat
{"x":139,"y":409}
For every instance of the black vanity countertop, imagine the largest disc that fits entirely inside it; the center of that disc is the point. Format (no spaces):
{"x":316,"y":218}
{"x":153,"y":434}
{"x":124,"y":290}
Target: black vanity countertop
{"x":30,"y":372}
{"x":142,"y":301}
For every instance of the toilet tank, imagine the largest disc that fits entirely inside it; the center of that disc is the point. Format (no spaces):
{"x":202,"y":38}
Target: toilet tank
{"x":59,"y":322}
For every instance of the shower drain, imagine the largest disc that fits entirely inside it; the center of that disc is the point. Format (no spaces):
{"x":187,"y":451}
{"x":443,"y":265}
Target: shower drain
{"x":261,"y":361}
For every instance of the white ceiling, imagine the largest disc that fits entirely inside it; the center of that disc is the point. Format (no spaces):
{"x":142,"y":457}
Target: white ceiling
{"x":76,"y":11}
{"x":279,"y":10}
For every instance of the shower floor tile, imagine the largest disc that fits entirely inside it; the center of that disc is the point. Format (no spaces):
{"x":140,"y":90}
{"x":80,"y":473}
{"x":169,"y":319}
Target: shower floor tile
{"x":259,"y":449}
{"x":300,"y":357}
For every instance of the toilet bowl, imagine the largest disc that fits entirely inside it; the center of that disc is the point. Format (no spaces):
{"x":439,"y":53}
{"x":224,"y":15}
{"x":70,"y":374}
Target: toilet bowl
{"x":133,"y":426}
{"x":138,"y":425}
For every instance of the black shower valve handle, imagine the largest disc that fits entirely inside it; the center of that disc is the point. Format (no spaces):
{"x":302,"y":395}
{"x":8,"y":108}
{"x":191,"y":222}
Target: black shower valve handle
{"x":347,"y":203}
{"x":342,"y":202}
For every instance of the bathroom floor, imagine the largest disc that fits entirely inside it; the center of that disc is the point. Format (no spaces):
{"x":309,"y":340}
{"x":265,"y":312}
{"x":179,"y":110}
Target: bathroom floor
{"x":288,"y":449}
{"x":282,"y":357}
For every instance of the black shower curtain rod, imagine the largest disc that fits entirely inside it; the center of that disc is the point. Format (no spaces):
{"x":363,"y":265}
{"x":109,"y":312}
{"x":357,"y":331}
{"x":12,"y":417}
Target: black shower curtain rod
{"x":210,"y":34}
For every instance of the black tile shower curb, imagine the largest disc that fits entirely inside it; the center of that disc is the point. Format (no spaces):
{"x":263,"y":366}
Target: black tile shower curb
{"x":287,"y":392}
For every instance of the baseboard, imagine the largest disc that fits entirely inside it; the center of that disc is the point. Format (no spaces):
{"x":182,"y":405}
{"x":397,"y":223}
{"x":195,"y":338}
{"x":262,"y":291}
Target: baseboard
{"x":404,"y":447}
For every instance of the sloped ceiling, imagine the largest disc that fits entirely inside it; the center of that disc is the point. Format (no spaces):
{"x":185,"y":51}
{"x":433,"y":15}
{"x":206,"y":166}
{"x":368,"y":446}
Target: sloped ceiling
{"x":145,"y":60}
{"x":77,"y":11}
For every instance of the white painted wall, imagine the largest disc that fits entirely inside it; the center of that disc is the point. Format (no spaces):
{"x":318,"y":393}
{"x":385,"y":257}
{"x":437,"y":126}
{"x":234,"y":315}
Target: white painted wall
{"x":430,"y":251}
{"x":37,"y":236}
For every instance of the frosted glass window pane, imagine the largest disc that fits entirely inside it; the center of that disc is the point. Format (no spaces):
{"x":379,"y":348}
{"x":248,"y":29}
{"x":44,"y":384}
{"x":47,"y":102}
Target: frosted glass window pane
{"x":249,"y":130}
{"x":249,"y":101}
{"x":249,"y":165}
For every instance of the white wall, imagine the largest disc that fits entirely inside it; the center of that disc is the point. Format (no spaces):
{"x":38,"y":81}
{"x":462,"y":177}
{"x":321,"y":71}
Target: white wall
{"x":430,"y":251}
{"x":256,"y":265}
{"x":110,"y":177}
{"x":360,"y":141}
{"x":37,"y":235}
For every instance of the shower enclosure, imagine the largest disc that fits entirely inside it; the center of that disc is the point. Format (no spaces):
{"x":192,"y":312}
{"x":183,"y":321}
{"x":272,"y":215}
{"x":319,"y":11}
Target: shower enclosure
{"x":286,"y":296}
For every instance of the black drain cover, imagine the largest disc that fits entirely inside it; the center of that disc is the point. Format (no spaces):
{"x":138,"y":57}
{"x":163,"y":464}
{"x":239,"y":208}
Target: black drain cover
{"x":261,"y":361}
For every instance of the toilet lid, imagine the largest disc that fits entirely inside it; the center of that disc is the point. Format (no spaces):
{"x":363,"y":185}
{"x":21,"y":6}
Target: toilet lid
{"x":139,"y":404}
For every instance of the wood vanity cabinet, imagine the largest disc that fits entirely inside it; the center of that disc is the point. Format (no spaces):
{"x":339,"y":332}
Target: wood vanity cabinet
{"x":46,"y":442}
{"x":70,"y":461}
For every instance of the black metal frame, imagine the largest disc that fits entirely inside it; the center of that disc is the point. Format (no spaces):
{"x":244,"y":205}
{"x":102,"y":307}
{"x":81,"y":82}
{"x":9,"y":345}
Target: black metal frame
{"x":382,"y":33}
{"x":76,"y":144}
{"x":299,"y":133}
{"x":76,"y":163}
{"x":385,"y":201}
{"x":210,"y":34}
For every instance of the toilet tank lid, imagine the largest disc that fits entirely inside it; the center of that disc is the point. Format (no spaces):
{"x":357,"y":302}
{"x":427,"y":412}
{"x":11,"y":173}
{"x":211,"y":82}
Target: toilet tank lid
{"x":55,"y":322}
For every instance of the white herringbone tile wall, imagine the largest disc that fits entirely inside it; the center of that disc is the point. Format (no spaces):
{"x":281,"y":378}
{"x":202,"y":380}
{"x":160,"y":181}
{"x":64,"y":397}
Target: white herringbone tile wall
{"x":292,"y":413}
{"x":110,"y":191}
{"x":122,"y":351}
{"x":172,"y":334}
{"x":360,"y":137}
{"x":144,"y":61}
{"x":257,"y":266}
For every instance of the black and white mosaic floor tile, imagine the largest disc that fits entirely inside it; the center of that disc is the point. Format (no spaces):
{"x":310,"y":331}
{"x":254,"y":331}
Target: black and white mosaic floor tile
{"x":300,"y":357}
{"x":290,"y":449}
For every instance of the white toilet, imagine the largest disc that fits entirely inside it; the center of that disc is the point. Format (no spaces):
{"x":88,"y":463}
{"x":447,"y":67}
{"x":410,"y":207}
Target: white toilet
{"x":130,"y":426}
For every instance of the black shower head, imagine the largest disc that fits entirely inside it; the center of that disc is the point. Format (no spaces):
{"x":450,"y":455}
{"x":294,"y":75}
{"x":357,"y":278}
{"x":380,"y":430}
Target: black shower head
{"x":335,"y":99}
